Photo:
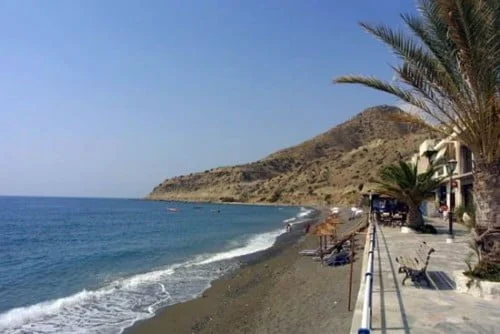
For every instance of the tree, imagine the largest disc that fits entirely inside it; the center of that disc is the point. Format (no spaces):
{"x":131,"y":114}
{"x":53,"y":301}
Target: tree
{"x":450,"y":75}
{"x":402,"y":182}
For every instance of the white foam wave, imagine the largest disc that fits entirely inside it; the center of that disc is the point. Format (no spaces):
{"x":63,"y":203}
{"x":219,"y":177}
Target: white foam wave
{"x":106,"y":310}
{"x":124,"y":301}
{"x":255,"y":244}
{"x":303,"y":214}
{"x":21,"y":315}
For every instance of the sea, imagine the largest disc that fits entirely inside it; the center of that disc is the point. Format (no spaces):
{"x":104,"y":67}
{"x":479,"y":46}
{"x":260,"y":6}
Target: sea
{"x":90,"y":265}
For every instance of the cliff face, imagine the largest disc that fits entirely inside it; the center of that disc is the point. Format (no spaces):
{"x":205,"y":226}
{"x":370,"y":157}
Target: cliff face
{"x":333,"y":167}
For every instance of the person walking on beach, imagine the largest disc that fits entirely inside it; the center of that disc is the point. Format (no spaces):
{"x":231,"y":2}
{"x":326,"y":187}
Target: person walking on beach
{"x":288,"y":227}
{"x":353,"y":213}
{"x":308,"y":227}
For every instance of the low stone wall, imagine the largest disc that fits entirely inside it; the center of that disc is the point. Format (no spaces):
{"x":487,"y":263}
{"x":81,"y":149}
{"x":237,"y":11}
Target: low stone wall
{"x":476,"y":287}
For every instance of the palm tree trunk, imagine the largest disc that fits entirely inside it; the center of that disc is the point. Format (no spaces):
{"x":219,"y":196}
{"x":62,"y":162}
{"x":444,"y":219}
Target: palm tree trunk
{"x":487,"y":202}
{"x":414,"y":217}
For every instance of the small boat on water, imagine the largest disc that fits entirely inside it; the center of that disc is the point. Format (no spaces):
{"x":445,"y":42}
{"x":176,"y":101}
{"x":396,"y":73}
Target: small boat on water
{"x":173,"y":209}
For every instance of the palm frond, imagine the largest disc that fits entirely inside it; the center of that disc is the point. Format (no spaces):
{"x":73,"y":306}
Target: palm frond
{"x":450,"y":69}
{"x":402,"y":181}
{"x":387,"y":87}
{"x":410,"y":119}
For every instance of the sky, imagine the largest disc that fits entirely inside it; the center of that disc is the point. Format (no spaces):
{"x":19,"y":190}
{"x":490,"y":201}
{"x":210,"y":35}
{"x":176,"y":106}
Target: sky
{"x":109,"y":98}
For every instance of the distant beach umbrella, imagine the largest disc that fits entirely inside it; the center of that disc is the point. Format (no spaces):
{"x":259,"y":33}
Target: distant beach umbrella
{"x":322,"y":230}
{"x":332,"y":220}
{"x":332,"y":223}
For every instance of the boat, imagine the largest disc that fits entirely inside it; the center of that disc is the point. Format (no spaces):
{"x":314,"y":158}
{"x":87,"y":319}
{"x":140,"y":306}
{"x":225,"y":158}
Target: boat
{"x":173,"y":209}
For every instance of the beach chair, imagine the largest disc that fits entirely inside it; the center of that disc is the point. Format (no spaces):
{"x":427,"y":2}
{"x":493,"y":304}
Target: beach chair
{"x":326,"y":254}
{"x":338,"y":259}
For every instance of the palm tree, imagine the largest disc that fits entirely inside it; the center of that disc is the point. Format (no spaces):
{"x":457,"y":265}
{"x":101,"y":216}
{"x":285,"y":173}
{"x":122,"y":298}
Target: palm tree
{"x":450,"y":74}
{"x":403,"y":182}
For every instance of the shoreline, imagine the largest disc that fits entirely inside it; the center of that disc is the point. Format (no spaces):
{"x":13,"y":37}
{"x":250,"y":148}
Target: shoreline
{"x":281,"y":242}
{"x":236,"y":302}
{"x":229,"y":203}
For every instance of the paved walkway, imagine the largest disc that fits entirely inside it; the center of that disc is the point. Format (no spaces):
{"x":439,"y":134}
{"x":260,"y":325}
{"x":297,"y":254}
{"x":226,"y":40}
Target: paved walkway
{"x":421,"y":309}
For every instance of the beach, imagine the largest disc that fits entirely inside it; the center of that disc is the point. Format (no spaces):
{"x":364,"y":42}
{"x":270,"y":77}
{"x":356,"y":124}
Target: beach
{"x":275,"y":291}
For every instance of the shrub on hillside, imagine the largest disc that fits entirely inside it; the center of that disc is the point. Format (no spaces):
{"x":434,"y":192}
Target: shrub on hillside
{"x":227,"y":199}
{"x":275,"y":197}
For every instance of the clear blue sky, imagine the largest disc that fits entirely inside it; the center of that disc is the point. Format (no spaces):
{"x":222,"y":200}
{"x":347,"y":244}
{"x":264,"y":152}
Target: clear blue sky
{"x":108,"y":98}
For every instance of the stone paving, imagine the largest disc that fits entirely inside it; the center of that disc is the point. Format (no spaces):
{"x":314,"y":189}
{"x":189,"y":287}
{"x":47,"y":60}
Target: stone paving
{"x":438,"y":308}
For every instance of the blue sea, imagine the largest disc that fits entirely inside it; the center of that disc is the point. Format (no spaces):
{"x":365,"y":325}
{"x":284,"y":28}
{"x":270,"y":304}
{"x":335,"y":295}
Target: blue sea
{"x":82,"y":265}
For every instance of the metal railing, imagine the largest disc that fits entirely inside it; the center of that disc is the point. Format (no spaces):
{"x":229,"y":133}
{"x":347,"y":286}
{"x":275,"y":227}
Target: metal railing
{"x":366,"y":319}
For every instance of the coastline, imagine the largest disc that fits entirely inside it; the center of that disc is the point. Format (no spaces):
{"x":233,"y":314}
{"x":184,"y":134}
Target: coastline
{"x":198,"y":201}
{"x":275,"y":290}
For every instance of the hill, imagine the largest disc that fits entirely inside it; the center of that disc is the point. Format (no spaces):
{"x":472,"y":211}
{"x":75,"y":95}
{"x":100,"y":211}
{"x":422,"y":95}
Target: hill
{"x":333,"y":167}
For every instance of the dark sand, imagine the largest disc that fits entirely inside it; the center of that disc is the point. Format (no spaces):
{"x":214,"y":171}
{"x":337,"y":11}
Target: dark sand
{"x":276,"y":291}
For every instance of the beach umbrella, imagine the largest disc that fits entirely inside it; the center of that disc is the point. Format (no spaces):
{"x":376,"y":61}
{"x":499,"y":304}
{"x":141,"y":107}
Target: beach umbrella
{"x":322,"y":230}
{"x":332,"y":222}
{"x":332,"y":218}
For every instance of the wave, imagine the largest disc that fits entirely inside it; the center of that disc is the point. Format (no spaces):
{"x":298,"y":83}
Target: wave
{"x":302,"y":215}
{"x":305,"y":212}
{"x":109,"y":309}
{"x":255,"y":244}
{"x":122,"y":302}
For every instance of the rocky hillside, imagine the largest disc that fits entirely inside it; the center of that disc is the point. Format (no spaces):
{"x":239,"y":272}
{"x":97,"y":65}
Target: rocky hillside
{"x":334,"y":167}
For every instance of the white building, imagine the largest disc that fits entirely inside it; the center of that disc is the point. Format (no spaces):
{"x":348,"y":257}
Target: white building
{"x":443,"y":151}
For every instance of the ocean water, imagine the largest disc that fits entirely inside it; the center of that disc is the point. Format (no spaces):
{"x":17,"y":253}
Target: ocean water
{"x":74,"y":265}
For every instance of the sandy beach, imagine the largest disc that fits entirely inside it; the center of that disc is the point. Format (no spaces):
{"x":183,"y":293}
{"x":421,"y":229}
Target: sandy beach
{"x":275,"y":291}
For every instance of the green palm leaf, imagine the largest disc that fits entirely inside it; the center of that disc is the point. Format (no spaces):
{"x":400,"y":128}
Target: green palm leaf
{"x":403,"y":182}
{"x":450,"y":69}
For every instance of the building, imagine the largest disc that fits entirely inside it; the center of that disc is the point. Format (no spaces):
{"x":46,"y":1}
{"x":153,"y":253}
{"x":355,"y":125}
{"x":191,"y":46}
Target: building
{"x":441,"y":152}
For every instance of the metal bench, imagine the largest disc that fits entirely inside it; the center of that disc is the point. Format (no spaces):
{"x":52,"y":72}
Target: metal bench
{"x":415,"y":265}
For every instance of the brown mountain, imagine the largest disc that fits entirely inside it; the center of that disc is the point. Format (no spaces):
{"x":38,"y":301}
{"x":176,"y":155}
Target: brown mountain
{"x":335,"y":166}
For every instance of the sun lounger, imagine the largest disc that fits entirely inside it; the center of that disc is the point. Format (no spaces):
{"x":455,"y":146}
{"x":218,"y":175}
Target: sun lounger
{"x":326,"y":256}
{"x":341,"y":258}
{"x":330,"y":250}
{"x":309,"y":252}
{"x":315,"y":251}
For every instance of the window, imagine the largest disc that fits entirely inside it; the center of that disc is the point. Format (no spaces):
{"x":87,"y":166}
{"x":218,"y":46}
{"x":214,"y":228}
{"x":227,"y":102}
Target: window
{"x":450,"y":152}
{"x":466,"y":159}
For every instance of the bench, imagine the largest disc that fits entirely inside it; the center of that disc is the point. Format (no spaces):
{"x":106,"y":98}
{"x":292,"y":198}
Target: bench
{"x":415,"y":265}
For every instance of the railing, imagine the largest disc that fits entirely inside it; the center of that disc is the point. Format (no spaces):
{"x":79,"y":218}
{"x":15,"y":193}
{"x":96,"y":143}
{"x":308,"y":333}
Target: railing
{"x":367,"y":300}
